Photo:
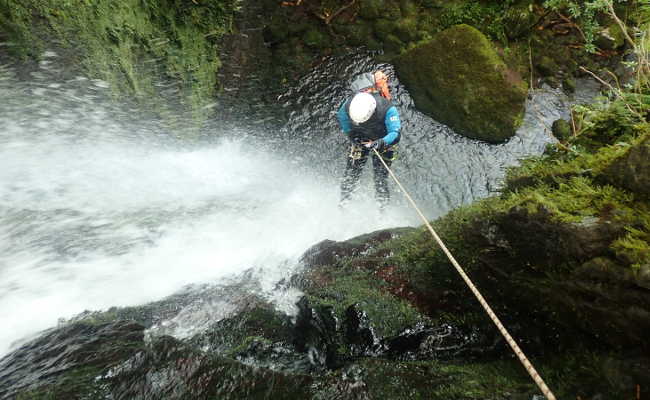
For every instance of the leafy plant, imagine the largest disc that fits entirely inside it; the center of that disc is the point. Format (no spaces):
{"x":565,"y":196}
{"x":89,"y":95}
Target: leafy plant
{"x":585,"y":13}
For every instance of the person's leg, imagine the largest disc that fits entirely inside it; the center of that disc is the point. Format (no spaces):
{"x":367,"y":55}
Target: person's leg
{"x":356,"y":160}
{"x":381,"y":176}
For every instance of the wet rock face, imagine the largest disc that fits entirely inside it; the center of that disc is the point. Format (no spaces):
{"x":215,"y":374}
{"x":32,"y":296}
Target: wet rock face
{"x":64,"y":361}
{"x":329,"y":252}
{"x":358,"y":331}
{"x":110,"y":360}
{"x":170,"y":369}
{"x":229,"y":334}
{"x":459,"y":79}
{"x":315,"y":334}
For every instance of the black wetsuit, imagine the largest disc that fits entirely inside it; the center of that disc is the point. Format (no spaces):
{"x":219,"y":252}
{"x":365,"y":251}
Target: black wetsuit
{"x":383,"y":124}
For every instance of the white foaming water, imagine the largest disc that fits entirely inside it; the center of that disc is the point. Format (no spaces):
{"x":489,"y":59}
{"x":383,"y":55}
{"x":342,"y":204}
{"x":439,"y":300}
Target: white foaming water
{"x":101,"y":218}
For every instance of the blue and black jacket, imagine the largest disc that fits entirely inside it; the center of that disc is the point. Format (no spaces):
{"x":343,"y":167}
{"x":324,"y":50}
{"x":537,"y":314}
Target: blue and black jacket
{"x":383,"y":124}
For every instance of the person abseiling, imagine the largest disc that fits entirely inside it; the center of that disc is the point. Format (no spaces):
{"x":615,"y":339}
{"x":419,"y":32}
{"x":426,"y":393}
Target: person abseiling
{"x":370,"y":121}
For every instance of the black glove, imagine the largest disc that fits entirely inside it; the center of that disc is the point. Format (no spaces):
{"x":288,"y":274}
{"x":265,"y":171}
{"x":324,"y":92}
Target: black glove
{"x":378,"y":145}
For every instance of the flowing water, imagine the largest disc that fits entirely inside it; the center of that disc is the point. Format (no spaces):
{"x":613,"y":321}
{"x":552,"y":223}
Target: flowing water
{"x":102,"y":207}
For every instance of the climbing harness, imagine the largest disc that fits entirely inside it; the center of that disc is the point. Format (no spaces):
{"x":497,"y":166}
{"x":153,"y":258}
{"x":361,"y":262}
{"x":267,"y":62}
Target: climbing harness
{"x":355,"y":152}
{"x":513,"y":345}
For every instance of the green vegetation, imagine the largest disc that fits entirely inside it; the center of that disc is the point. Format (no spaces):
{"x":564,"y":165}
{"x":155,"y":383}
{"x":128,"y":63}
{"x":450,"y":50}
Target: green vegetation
{"x":135,"y":46}
{"x":235,"y":334}
{"x":76,"y":384}
{"x":578,"y":374}
{"x":347,"y":286}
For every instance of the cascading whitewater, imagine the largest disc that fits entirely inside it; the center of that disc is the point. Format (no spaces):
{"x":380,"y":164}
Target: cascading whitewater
{"x":101,"y":207}
{"x":97,"y":210}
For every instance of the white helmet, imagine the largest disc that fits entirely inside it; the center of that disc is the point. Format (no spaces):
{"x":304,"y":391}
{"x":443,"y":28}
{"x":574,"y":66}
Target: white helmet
{"x":362,"y":107}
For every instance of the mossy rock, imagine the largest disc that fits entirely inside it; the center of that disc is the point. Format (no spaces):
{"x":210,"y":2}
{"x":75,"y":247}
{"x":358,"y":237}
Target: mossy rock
{"x":409,"y":8}
{"x":406,"y":29}
{"x":569,"y":85}
{"x":114,"y":42}
{"x":561,"y":129}
{"x":278,"y":28}
{"x":373,"y":9}
{"x":393,"y":45}
{"x":519,"y":19}
{"x":610,"y":38}
{"x":632,"y":169}
{"x":359,"y":34}
{"x":316,"y":39}
{"x":65,"y":363}
{"x":229,"y":335}
{"x":459,"y":79}
{"x":384,"y":27}
{"x":546,"y":66}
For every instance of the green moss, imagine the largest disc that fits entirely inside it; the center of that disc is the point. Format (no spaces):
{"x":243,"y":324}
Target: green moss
{"x":547,"y":66}
{"x":234,"y":334}
{"x":315,"y":38}
{"x":246,"y":344}
{"x":487,"y":16}
{"x":345,"y":287}
{"x":373,"y":9}
{"x":393,"y":45}
{"x":482,"y":99}
{"x":409,"y":8}
{"x":579,"y":374}
{"x":519,"y":19}
{"x":80,"y":383}
{"x":561,"y":129}
{"x":360,"y":34}
{"x":406,"y":29}
{"x":383,"y":27}
{"x":117,"y":42}
{"x":634,"y":247}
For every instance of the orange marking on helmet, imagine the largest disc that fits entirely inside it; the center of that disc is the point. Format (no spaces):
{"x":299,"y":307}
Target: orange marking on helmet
{"x":381,"y":83}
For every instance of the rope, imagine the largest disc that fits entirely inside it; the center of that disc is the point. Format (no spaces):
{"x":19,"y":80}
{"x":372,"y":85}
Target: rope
{"x":520,"y":354}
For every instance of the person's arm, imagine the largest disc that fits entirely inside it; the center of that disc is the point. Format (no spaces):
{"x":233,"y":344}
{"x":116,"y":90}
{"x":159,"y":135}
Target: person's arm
{"x":344,"y":120}
{"x":393,"y":126}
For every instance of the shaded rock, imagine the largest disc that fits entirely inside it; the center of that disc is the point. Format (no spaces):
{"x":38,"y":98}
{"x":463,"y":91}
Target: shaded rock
{"x":280,"y":356}
{"x":587,"y":293}
{"x":519,"y":19}
{"x":231,"y":334}
{"x":569,"y":85}
{"x":64,"y":362}
{"x":611,"y":37}
{"x":643,"y":276}
{"x":458,"y":78}
{"x":547,"y":66}
{"x":561,"y":129}
{"x":632,"y":169}
{"x":373,"y":9}
{"x":329,"y":252}
{"x":604,"y":269}
{"x":540,"y":240}
{"x":358,"y":331}
{"x":315,"y":333}
{"x":443,"y":341}
{"x":626,"y":373}
{"x":170,"y":369}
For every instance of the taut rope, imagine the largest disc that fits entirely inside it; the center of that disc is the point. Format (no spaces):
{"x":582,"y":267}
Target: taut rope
{"x":515,"y":347}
